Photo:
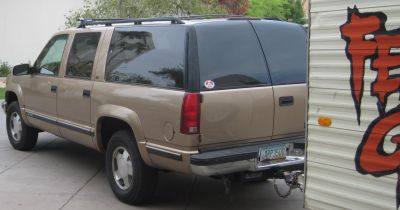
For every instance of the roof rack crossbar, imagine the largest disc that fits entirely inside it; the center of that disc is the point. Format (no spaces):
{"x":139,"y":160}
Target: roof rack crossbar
{"x":194,"y":17}
{"x":137,"y":21}
{"x":244,"y":18}
{"x":272,"y":18}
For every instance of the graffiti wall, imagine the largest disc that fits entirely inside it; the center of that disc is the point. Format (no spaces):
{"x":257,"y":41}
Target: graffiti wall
{"x":354,"y":80}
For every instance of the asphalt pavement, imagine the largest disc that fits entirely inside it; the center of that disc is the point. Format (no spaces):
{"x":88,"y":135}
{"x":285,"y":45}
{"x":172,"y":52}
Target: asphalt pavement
{"x":59,"y":174}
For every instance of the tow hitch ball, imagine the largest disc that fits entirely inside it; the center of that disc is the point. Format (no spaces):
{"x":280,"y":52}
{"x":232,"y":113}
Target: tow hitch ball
{"x":292,"y":181}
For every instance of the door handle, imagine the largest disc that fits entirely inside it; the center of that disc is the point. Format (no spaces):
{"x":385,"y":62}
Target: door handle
{"x":86,"y":93}
{"x":286,"y":101}
{"x":53,"y":88}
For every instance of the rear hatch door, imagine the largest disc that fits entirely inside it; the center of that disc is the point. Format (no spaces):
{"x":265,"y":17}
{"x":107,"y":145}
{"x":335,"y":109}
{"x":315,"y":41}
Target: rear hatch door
{"x":285,"y":48}
{"x":238,"y":100}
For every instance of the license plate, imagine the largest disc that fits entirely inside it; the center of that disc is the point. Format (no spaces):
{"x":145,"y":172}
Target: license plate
{"x":272,"y":152}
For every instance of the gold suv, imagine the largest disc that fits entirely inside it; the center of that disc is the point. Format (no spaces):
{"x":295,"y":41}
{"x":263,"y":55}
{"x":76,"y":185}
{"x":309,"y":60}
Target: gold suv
{"x":207,"y":96}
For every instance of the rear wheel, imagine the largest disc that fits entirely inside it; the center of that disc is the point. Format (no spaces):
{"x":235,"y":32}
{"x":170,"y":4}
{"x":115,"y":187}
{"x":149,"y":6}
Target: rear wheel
{"x":21,"y":136}
{"x":131,"y":180}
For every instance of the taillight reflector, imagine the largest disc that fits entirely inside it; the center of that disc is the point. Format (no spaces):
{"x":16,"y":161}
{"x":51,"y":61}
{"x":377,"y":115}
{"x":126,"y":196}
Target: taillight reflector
{"x":190,"y":115}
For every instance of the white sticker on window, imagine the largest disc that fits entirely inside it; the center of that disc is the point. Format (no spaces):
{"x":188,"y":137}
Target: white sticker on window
{"x":209,"y":84}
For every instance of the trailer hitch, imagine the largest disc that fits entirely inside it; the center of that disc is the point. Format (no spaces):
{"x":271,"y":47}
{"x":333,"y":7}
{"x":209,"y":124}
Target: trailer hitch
{"x":291,"y":179}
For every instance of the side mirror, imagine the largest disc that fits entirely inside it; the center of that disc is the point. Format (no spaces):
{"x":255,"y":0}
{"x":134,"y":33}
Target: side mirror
{"x":22,"y":69}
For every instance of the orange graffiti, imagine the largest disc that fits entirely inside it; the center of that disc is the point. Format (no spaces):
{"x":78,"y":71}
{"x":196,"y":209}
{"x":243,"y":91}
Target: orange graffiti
{"x":367,"y":38}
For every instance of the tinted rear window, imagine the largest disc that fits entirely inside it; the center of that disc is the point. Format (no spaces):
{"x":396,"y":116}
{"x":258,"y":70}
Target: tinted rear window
{"x":230,"y":56}
{"x":147,"y":55}
{"x":285,"y":47}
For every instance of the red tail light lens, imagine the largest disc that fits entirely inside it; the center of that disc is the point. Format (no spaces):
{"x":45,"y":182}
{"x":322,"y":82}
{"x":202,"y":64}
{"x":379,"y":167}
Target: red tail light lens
{"x":190,"y":116}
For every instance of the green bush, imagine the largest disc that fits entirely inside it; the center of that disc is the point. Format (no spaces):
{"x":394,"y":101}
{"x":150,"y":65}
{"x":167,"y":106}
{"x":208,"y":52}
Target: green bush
{"x":289,"y":10}
{"x":5,"y":69}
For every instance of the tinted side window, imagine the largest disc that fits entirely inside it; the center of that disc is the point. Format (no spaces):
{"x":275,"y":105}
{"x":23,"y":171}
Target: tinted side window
{"x":230,"y":56}
{"x":285,"y":46}
{"x":49,"y":60}
{"x":147,"y":55}
{"x":82,"y":54}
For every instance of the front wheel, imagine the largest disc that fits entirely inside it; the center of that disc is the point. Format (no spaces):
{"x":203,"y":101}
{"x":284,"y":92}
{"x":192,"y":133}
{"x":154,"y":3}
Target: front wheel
{"x":131,"y":180}
{"x":21,"y":136}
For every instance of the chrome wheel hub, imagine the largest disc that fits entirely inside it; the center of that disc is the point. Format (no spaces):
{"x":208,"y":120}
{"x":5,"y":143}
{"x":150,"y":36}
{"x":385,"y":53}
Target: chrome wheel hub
{"x":16,"y":126}
{"x":122,"y":168}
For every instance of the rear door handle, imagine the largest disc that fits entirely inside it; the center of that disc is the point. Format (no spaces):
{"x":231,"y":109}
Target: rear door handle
{"x":53,"y":88}
{"x":86,"y":93}
{"x":286,"y":101}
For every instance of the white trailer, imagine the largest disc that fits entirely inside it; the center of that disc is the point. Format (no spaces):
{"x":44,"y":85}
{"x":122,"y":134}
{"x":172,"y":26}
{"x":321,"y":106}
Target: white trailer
{"x":353,"y":132}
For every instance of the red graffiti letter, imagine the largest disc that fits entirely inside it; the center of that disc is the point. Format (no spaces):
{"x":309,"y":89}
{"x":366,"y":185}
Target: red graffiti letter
{"x":358,"y":49}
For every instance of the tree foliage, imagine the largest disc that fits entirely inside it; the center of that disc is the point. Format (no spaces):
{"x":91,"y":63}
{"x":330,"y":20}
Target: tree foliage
{"x":143,"y":8}
{"x":266,"y":8}
{"x":5,"y":69}
{"x":294,"y":11}
{"x":236,"y":7}
{"x":290,"y":10}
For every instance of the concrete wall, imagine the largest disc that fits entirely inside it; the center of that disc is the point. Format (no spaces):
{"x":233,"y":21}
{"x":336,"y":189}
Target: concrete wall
{"x":26,"y":26}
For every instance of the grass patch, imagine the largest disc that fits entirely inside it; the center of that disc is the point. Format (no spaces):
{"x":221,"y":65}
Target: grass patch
{"x":2,"y":93}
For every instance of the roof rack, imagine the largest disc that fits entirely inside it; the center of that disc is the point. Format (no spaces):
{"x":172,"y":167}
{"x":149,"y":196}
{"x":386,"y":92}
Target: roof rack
{"x":197,"y":17}
{"x":272,"y":18}
{"x":174,"y":20}
{"x":137,"y":21}
{"x":244,"y":18}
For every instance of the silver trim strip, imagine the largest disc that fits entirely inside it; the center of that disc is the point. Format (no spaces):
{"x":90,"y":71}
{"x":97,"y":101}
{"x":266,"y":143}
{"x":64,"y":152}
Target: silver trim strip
{"x":163,"y":150}
{"x":290,"y":160}
{"x":78,"y":128}
{"x":243,"y":165}
{"x":173,"y":150}
{"x":167,"y":152}
{"x":164,"y":153}
{"x":65,"y":124}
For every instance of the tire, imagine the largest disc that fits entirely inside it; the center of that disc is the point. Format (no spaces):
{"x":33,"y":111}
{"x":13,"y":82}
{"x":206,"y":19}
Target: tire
{"x":21,"y":136}
{"x":134,"y":184}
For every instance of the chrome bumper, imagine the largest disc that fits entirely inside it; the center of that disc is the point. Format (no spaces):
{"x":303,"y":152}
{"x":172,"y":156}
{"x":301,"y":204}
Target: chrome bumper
{"x":4,"y":106}
{"x":240,"y":159}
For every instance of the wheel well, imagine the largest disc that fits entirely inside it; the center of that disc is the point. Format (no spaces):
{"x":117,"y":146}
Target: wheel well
{"x":11,"y":97}
{"x":107,"y":126}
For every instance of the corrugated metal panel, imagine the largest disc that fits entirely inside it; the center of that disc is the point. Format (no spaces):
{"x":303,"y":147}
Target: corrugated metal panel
{"x":332,"y":179}
{"x":337,"y":188}
{"x":331,"y":5}
{"x":336,"y":147}
{"x":325,"y":34}
{"x":328,"y":70}
{"x":339,"y":105}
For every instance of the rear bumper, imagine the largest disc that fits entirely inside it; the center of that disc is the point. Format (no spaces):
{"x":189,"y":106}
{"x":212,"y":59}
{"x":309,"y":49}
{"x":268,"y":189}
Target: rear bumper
{"x":244,"y":158}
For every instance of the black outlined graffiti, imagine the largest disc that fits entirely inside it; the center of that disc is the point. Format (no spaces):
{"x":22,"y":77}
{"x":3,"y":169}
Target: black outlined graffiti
{"x":367,"y":38}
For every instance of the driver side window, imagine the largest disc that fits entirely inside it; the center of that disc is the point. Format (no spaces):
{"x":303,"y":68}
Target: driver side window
{"x":49,"y":60}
